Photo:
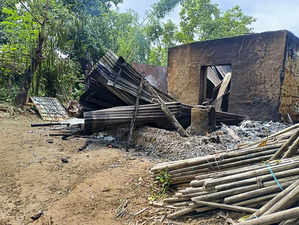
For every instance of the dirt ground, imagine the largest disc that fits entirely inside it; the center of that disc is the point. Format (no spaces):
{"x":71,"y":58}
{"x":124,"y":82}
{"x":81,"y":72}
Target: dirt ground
{"x":87,"y":189}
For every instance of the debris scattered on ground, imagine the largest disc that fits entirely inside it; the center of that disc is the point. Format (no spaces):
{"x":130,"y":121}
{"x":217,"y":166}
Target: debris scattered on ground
{"x":64,"y":160}
{"x":37,"y":216}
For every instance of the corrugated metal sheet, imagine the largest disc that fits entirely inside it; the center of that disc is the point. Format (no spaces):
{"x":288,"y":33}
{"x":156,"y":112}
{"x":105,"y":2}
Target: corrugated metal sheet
{"x":156,"y":75}
{"x":49,"y":108}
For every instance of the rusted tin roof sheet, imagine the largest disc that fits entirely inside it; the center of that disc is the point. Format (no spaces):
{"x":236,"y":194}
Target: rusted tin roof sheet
{"x":49,"y":108}
{"x":156,"y":75}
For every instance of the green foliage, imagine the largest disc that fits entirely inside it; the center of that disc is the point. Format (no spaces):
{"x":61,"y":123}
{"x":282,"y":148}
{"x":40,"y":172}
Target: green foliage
{"x":202,"y":20}
{"x":21,"y":39}
{"x":8,"y":94}
{"x":129,"y":37}
{"x":199,"y":20}
{"x":159,"y":190}
{"x":162,"y":7}
{"x":76,"y":33}
{"x":163,"y":37}
{"x":90,"y":7}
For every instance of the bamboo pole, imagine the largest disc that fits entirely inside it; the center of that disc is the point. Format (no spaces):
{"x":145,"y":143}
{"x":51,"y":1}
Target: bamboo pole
{"x":256,"y":200}
{"x":203,"y":195}
{"x":192,"y":174}
{"x":221,"y":162}
{"x":250,"y":174}
{"x":225,"y":206}
{"x":285,"y":146}
{"x":256,"y":193}
{"x":274,"y":217}
{"x":290,"y":222}
{"x":282,"y":174}
{"x":273,"y":201}
{"x":207,"y":159}
{"x":292,"y":150}
{"x":181,"y":213}
{"x":168,"y":113}
{"x":240,"y":193}
{"x":286,"y":202}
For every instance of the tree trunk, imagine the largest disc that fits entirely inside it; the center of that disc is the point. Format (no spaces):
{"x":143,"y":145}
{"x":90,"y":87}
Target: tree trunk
{"x":36,"y":59}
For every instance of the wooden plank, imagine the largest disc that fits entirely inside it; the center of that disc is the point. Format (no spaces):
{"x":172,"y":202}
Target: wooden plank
{"x":213,"y":77}
{"x":222,"y":91}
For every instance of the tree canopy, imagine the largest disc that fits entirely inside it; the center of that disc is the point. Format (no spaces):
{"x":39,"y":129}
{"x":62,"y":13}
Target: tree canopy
{"x":48,"y":46}
{"x":202,"y":20}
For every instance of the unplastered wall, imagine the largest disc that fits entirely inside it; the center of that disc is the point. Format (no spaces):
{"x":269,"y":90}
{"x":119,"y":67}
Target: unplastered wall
{"x":289,"y":99}
{"x":257,"y":65}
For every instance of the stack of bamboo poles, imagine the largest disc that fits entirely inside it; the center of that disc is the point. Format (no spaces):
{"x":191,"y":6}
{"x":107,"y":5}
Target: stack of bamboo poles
{"x":239,"y":180}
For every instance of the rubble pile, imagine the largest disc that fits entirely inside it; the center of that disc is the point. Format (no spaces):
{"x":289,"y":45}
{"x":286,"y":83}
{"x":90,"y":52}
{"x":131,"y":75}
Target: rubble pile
{"x":164,"y":144}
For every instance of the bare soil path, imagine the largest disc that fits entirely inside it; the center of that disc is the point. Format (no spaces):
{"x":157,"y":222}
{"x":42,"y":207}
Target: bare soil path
{"x":86,"y":190}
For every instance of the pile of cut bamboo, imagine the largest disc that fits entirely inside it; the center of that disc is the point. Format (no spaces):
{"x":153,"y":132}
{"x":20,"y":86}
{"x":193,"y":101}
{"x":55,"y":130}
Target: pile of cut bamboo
{"x":240,"y":180}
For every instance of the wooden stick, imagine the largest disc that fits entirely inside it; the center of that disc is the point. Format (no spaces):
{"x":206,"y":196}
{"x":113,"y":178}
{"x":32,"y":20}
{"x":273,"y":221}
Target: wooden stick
{"x":290,"y":222}
{"x":168,"y":113}
{"x":256,"y":200}
{"x":181,"y":213}
{"x":250,"y":174}
{"x":273,"y":201}
{"x":222,"y":90}
{"x":286,"y":202}
{"x":234,"y":191}
{"x":206,"y":159}
{"x":263,"y":178}
{"x":293,"y":148}
{"x":133,"y":121}
{"x":256,"y":193}
{"x":274,"y":217}
{"x":285,"y":146}
{"x":225,"y":206}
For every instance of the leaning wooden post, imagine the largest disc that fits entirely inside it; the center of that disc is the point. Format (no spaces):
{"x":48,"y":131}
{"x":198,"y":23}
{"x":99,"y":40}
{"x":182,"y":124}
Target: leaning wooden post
{"x":168,"y":113}
{"x":133,"y":120}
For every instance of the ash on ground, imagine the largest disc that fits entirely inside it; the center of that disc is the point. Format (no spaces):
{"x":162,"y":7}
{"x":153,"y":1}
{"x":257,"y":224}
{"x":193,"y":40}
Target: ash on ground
{"x":169,"y":145}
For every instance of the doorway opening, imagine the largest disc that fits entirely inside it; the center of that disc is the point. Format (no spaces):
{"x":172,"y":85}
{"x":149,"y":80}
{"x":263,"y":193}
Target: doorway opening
{"x":215,"y":85}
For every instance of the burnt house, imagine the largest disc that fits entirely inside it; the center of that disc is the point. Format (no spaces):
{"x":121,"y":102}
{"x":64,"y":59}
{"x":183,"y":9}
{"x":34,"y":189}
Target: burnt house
{"x":257,"y":74}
